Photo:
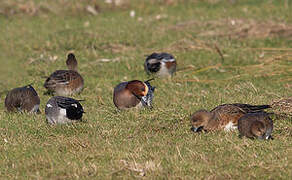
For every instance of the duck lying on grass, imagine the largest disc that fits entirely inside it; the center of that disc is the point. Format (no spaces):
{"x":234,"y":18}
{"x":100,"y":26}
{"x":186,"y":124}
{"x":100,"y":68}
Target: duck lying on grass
{"x":23,"y":99}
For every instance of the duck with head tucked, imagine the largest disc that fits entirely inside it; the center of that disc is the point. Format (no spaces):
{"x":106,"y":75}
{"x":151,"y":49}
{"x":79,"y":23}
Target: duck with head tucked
{"x":133,"y":94}
{"x":62,"y":110}
{"x":65,"y":82}
{"x":160,"y":64}
{"x":224,"y":116}
{"x":256,"y":125}
{"x":23,"y":99}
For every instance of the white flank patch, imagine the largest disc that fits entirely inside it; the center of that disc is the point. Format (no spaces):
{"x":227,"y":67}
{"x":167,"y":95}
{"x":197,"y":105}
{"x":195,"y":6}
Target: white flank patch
{"x":35,"y":108}
{"x":49,"y":105}
{"x":75,"y":105}
{"x":63,"y":112}
{"x":140,"y":105}
{"x":230,"y":126}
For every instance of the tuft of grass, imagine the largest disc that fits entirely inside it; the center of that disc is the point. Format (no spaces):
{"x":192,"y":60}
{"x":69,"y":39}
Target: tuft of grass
{"x":219,"y":63}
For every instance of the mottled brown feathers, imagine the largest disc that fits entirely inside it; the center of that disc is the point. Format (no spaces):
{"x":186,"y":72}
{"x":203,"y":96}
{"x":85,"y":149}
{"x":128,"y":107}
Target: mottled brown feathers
{"x":65,"y":82}
{"x":222,"y":117}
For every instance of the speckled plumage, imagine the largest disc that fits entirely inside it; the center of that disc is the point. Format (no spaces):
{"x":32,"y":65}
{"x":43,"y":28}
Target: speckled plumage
{"x":222,"y":117}
{"x":22,"y":99}
{"x":65,"y":82}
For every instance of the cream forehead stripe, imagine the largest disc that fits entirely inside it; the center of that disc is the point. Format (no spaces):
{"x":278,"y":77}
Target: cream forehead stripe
{"x":168,"y":60}
{"x":146,"y":89}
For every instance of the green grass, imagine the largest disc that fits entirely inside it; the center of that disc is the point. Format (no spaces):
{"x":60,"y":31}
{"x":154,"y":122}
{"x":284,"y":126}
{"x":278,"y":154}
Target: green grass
{"x":152,"y":144}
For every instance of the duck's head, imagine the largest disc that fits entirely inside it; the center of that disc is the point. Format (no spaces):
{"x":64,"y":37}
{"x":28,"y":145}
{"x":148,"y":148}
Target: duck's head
{"x":138,"y":88}
{"x":199,"y":120}
{"x":258,"y":129}
{"x":71,"y":62}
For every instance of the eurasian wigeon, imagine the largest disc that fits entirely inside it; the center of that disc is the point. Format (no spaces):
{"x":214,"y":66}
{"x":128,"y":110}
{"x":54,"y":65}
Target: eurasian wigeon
{"x":65,"y":82}
{"x":133,"y":93}
{"x":222,"y":117}
{"x":255,"y":125}
{"x":160,"y":64}
{"x":23,"y":99}
{"x":61,"y":110}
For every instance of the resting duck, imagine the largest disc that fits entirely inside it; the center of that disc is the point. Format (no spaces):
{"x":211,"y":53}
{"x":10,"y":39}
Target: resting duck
{"x":132,"y":94}
{"x":222,"y":117}
{"x":23,"y":99}
{"x":255,"y":125}
{"x":65,"y":82}
{"x":61,"y":110}
{"x":160,"y":64}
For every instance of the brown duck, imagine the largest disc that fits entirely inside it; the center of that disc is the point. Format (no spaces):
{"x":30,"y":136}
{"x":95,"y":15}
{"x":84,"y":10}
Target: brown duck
{"x":65,"y":82}
{"x":222,"y":117}
{"x":23,"y":99}
{"x":255,"y":125}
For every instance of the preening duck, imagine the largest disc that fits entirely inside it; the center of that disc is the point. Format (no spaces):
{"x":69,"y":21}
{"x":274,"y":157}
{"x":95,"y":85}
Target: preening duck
{"x":133,"y":93}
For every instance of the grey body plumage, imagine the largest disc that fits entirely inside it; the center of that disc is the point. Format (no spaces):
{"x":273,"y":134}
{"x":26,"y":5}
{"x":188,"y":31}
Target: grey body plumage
{"x":61,"y":110}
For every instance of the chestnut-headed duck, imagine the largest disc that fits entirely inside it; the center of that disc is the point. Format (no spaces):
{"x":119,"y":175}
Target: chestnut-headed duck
{"x":133,"y":93}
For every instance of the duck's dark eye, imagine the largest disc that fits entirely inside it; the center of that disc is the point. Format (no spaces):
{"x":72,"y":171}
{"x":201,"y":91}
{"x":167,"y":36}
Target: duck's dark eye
{"x":142,"y":89}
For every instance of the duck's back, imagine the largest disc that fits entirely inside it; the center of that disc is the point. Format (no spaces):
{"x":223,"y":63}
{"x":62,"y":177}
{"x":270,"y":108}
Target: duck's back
{"x":23,"y":98}
{"x":64,"y":82}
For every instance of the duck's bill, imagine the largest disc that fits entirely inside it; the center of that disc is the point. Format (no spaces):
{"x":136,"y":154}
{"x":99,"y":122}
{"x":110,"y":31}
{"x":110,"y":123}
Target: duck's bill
{"x":196,"y":129}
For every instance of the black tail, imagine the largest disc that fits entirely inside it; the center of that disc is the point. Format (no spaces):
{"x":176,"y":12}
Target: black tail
{"x":149,"y":80}
{"x":252,"y":108}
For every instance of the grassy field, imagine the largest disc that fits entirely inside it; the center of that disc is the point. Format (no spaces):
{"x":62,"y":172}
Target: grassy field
{"x":227,"y":52}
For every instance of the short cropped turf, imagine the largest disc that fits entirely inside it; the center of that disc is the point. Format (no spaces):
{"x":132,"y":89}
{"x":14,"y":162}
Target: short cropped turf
{"x":237,"y":51}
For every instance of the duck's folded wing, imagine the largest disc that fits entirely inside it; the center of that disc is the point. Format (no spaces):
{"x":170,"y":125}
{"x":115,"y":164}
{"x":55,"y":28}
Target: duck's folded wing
{"x":61,"y":77}
{"x":65,"y":102}
{"x":252,"y":108}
